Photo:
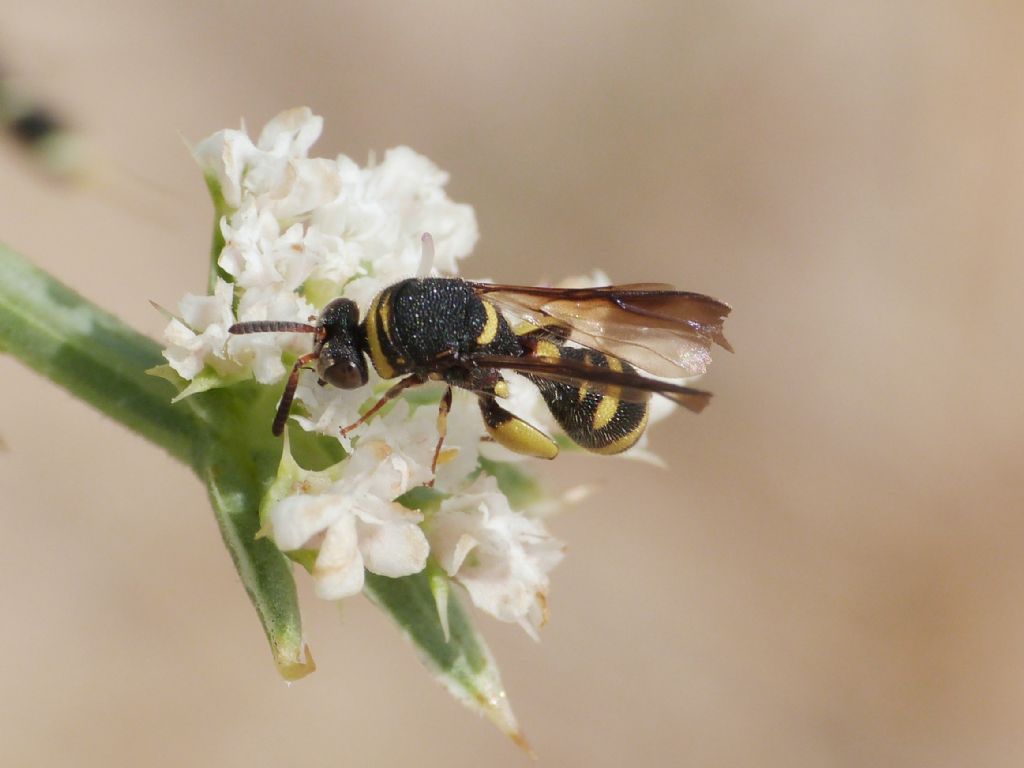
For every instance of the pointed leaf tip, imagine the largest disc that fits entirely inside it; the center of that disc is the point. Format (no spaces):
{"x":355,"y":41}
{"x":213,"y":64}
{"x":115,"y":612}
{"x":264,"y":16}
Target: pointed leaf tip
{"x":519,"y":739}
{"x":295,"y":667}
{"x":460,"y":660}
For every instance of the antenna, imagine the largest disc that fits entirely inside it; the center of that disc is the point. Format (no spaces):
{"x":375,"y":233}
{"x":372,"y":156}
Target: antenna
{"x":271,"y":326}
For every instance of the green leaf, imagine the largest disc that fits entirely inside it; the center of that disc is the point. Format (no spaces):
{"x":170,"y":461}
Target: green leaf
{"x":462,"y":662}
{"x":239,"y":469}
{"x":422,"y":498}
{"x":565,"y":444}
{"x":441,"y":589}
{"x":447,"y":643}
{"x":265,"y":572}
{"x":428,"y":394}
{"x":224,"y":435}
{"x":320,"y":292}
{"x":521,"y":488}
{"x":91,"y":354}
{"x":304,"y":557}
{"x":206,"y":380}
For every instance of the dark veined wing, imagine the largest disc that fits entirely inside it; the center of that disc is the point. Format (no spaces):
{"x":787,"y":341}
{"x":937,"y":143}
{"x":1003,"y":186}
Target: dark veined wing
{"x":623,"y":384}
{"x":651,"y":325}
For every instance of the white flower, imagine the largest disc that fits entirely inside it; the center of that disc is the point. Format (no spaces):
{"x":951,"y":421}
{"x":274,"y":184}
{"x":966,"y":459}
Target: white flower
{"x":501,"y":557}
{"x":261,"y":352}
{"x":199,"y":337}
{"x":330,"y":409}
{"x":258,"y":254}
{"x":384,"y":209}
{"x":301,"y":231}
{"x":291,"y":133}
{"x":275,"y":172}
{"x":360,"y":523}
{"x":414,"y":187}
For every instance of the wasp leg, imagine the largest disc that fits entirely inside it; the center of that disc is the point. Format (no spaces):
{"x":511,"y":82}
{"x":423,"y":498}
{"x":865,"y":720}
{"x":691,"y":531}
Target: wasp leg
{"x":514,"y":433}
{"x":442,"y":430}
{"x":289,"y":394}
{"x":483,"y":382}
{"x":391,"y":394}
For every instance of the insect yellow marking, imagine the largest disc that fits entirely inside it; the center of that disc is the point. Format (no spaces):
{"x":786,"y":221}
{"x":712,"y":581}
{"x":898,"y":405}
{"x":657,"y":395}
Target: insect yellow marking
{"x":520,"y":437}
{"x":555,"y":325}
{"x":501,"y":389}
{"x":524,"y":328}
{"x":380,"y":362}
{"x":446,"y":455}
{"x":606,"y":409}
{"x":627,"y":440}
{"x":582,"y":395}
{"x":609,"y":405}
{"x":547,"y":349}
{"x":385,"y":314}
{"x":490,"y":329}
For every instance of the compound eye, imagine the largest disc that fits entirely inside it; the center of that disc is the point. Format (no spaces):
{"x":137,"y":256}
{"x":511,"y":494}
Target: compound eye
{"x":345,"y":374}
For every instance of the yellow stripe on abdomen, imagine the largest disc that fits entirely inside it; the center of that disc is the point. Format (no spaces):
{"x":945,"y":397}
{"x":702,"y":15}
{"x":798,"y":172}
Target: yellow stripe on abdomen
{"x":547,"y":349}
{"x":606,"y":409}
{"x":609,"y":405}
{"x":627,"y":440}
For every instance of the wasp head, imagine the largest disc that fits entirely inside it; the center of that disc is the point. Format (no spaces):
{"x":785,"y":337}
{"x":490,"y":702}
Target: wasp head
{"x":341,"y":362}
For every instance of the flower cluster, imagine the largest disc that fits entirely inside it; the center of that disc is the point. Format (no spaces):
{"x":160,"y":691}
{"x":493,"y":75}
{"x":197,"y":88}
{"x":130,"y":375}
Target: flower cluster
{"x":298,"y":232}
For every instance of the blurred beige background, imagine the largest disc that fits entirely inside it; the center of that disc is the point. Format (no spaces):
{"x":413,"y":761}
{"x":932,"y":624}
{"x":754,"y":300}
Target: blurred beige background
{"x":831,"y":571}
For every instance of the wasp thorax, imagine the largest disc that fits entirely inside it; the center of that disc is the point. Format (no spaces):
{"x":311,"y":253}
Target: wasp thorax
{"x":341,"y":362}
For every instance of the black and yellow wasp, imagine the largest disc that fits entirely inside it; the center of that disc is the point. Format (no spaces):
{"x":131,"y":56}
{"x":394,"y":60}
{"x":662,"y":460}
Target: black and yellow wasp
{"x":581,"y":347}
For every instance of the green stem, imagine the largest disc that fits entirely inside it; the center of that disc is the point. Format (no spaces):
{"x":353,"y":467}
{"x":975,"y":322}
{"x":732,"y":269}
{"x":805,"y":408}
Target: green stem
{"x":93,"y":355}
{"x":99,"y":359}
{"x":220,"y":209}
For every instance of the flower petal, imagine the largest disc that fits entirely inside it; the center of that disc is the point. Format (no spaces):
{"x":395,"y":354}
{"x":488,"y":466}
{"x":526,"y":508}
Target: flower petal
{"x":392,"y":548}
{"x":296,"y":519}
{"x":507,"y":575}
{"x":338,"y":571}
{"x":291,"y":133}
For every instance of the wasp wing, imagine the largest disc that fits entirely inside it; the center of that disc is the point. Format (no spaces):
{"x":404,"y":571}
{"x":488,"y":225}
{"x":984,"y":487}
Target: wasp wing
{"x":626,"y":385}
{"x":651,"y":325}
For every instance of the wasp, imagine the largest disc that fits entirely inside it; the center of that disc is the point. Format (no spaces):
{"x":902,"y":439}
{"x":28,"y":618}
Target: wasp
{"x":583,"y":348}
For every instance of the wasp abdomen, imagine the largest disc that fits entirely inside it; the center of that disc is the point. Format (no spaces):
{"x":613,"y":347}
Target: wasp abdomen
{"x":598,"y":420}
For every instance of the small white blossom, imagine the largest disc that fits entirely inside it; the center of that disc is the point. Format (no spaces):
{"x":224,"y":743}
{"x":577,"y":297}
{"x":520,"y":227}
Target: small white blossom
{"x":275,"y":172}
{"x":362,"y":527}
{"x":257,"y":254}
{"x":200,"y":336}
{"x":301,"y":231}
{"x":500,"y":556}
{"x":298,"y":232}
{"x":414,"y":187}
{"x":330,"y":409}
